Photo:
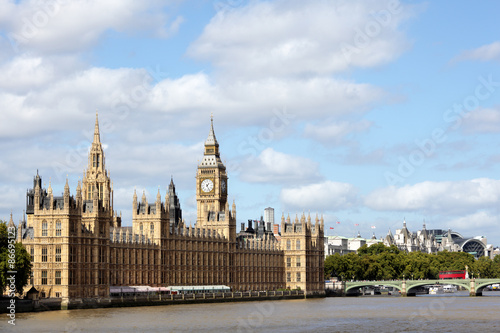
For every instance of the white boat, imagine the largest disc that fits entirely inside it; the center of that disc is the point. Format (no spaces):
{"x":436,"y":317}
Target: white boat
{"x":449,"y":288}
{"x":435,"y":290}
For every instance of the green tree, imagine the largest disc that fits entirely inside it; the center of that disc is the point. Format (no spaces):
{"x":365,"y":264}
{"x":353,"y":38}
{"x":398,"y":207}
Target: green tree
{"x":380,"y":262}
{"x":484,"y":267}
{"x":21,"y":262}
{"x":496,"y":265}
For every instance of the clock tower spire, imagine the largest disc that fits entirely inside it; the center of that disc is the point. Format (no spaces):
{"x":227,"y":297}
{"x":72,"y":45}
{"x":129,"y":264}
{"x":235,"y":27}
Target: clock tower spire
{"x":211,"y":189}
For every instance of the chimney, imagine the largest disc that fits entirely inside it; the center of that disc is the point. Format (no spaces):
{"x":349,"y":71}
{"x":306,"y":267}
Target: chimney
{"x":242,"y":226}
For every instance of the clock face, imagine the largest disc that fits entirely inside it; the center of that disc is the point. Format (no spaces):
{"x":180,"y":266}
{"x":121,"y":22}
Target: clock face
{"x":207,"y":185}
{"x":223,"y":186}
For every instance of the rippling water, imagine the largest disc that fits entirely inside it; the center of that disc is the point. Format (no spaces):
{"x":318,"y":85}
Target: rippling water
{"x":440,"y":313}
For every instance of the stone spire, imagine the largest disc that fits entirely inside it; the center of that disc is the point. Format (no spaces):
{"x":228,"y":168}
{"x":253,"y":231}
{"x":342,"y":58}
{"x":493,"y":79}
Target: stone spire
{"x":66,"y":188}
{"x":171,"y":186}
{"x":96,"y":183}
{"x":97,"y":137}
{"x":211,"y":140}
{"x":79,"y":192}
{"x":11,"y":221}
{"x":158,"y":196}
{"x":233,"y":210}
{"x":49,"y":189}
{"x":389,"y":239}
{"x":96,"y":156}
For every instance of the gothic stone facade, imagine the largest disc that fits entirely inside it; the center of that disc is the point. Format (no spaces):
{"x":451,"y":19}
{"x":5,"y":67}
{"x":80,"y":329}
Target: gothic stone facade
{"x":79,"y":248}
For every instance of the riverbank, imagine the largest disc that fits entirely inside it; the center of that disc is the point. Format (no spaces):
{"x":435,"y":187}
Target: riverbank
{"x":53,"y":304}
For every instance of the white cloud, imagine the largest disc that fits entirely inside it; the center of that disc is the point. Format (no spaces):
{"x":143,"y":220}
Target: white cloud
{"x":335,"y":132}
{"x":65,"y":99}
{"x":483,"y":53}
{"x":12,"y":198}
{"x":325,"y":196}
{"x":473,"y":222}
{"x":454,"y":198}
{"x":251,"y":102}
{"x":275,"y":167}
{"x":49,"y":93}
{"x":286,"y":38}
{"x":24,"y":74}
{"x":482,"y":121}
{"x":69,"y":26}
{"x":154,"y":165}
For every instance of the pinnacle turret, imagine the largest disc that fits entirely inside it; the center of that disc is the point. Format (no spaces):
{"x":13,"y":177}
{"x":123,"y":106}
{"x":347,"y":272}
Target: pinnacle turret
{"x":11,"y":221}
{"x":97,"y":137}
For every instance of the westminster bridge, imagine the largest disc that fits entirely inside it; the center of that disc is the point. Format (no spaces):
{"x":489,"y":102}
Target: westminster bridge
{"x":409,"y":287}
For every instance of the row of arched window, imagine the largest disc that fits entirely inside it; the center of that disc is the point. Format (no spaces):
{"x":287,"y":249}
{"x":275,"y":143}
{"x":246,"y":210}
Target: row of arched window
{"x":45,"y":228}
{"x":289,"y":244}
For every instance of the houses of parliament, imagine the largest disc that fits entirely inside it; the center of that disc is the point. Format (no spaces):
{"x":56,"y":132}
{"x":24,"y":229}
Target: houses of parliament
{"x":79,"y":248}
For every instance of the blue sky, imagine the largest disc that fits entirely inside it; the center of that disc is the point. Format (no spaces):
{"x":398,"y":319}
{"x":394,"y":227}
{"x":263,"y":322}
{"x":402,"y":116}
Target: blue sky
{"x":368,"y":112}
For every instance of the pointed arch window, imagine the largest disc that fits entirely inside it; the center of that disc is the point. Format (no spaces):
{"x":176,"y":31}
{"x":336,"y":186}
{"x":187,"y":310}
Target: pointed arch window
{"x":141,"y":228}
{"x":44,"y":254}
{"x":94,"y":160}
{"x":151,"y":228}
{"x":98,"y":159}
{"x":58,"y":228}
{"x":58,"y":253}
{"x":44,"y":228}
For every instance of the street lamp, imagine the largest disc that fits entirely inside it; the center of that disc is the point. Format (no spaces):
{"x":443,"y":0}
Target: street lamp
{"x":412,"y":276}
{"x":403,"y":277}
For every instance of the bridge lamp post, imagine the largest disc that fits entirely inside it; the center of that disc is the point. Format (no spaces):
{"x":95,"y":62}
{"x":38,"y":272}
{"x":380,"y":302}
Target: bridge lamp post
{"x":403,"y":277}
{"x":412,"y":276}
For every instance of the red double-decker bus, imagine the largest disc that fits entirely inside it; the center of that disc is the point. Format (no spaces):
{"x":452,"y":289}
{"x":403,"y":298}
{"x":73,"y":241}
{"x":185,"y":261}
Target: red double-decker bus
{"x":452,"y":274}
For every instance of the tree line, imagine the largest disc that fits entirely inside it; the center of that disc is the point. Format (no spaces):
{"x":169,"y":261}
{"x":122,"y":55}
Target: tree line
{"x":380,"y":262}
{"x":13,"y":258}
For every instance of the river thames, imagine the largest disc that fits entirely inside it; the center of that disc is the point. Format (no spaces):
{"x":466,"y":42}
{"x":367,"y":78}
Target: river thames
{"x":440,"y":313}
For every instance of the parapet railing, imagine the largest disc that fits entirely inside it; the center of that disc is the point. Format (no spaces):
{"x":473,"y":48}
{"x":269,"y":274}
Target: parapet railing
{"x":193,"y":296}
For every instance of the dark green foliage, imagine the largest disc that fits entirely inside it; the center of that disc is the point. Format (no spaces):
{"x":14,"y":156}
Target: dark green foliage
{"x":22,"y":260}
{"x":380,"y":262}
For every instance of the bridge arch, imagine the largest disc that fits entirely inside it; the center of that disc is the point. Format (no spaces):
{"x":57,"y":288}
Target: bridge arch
{"x":417,"y":283}
{"x":481,"y":284}
{"x":361,"y":284}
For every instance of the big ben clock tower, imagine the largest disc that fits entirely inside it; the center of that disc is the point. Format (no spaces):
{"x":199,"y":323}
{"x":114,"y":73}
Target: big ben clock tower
{"x":211,"y":190}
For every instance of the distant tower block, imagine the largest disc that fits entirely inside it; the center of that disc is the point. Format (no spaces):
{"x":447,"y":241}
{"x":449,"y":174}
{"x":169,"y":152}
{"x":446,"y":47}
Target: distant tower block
{"x":269,"y":215}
